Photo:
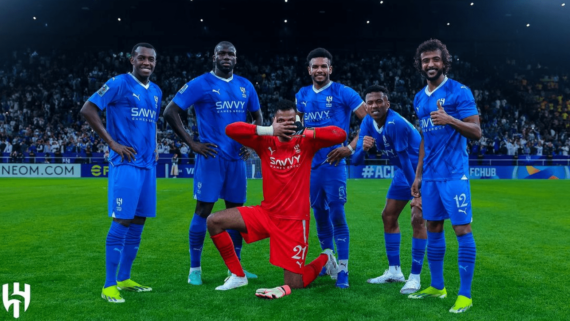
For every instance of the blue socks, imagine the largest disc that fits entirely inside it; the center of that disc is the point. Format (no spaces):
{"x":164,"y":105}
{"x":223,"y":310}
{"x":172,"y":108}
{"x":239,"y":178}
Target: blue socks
{"x":324,"y":228}
{"x":196,"y":236}
{"x":466,"y":262}
{"x":392,"y":241}
{"x":436,"y":253}
{"x":341,"y":234}
{"x":238,"y":241}
{"x":418,"y":253}
{"x":114,"y":247}
{"x":130,"y":249}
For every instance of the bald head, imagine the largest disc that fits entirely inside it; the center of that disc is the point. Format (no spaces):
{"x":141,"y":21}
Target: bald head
{"x":224,"y":45}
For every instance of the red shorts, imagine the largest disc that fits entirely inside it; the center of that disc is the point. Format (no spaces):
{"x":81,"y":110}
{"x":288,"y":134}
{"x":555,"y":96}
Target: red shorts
{"x":288,"y":239}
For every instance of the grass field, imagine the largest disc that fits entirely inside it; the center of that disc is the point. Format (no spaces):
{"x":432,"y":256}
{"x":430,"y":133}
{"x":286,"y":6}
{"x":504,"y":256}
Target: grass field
{"x":53,"y":231}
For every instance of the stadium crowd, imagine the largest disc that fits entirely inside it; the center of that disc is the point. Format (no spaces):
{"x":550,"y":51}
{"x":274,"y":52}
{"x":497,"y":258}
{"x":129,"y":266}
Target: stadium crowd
{"x":523,"y":107}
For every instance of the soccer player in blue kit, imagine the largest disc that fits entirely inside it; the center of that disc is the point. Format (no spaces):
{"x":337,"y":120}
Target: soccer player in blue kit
{"x":219,"y":98}
{"x":326,"y":103}
{"x":132,"y":103}
{"x":399,"y":141}
{"x":448,"y":117}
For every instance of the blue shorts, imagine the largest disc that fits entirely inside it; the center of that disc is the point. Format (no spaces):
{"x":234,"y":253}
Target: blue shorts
{"x":400,"y":189}
{"x":132,"y":192}
{"x":328,"y":186}
{"x":447,"y":200}
{"x":215,"y":178}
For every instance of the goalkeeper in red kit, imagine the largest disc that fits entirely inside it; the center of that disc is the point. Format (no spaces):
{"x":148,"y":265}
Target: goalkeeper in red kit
{"x":286,"y":150}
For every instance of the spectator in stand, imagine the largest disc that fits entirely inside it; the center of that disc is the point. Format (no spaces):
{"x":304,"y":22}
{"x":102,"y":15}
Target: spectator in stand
{"x":174,"y":168}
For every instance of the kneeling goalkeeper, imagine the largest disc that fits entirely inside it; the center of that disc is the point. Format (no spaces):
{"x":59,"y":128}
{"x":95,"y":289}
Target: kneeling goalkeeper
{"x":286,"y":150}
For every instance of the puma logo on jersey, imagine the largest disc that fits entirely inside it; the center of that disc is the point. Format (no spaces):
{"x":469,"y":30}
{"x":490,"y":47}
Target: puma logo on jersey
{"x":463,"y":267}
{"x":392,"y":122}
{"x":216,"y":91}
{"x":271,"y":150}
{"x":300,"y":264}
{"x":138,"y":96}
{"x":304,"y":103}
{"x":343,"y":240}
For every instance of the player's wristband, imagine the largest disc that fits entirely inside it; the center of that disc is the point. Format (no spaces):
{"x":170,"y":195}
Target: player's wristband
{"x":264,"y":130}
{"x":351,"y":149}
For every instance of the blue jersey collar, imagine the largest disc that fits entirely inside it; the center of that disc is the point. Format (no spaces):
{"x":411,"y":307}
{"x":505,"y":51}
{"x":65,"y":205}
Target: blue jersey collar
{"x":430,"y":93}
{"x":220,"y":78}
{"x":140,"y":83}
{"x":325,"y":87}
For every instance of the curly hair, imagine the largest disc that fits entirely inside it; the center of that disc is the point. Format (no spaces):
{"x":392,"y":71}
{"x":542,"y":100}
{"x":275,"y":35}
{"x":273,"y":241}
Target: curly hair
{"x":433,"y":45}
{"x":319,"y":53}
{"x":285,"y":105}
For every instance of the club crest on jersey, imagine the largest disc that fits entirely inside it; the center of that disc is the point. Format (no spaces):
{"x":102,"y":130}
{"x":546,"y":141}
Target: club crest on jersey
{"x":441,"y":101}
{"x":297,"y":149}
{"x":103,"y":90}
{"x":183,"y":89}
{"x":243,"y":92}
{"x":329,"y":101}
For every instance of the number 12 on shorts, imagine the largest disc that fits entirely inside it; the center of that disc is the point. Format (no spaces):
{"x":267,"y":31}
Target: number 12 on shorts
{"x":461,"y":201}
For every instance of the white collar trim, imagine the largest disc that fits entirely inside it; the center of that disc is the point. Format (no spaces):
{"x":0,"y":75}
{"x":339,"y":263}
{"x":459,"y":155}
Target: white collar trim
{"x":378,"y":129}
{"x":325,"y":87}
{"x":224,"y":79}
{"x":430,"y":93}
{"x":140,"y":83}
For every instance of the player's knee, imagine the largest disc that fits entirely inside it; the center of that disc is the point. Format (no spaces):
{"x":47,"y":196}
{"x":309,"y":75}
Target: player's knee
{"x":389,"y":219}
{"x":417,"y":221}
{"x":213,"y":222}
{"x":204,"y":209}
{"x":139,"y":220}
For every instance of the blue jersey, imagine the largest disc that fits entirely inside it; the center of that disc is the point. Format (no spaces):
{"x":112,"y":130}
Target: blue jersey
{"x":396,"y":136}
{"x":330,"y":105}
{"x":132,"y":111}
{"x":218,"y":102}
{"x":445,"y":148}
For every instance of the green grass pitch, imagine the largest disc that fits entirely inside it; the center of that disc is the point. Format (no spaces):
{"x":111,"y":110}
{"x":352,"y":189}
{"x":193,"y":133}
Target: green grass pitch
{"x":53,"y":233}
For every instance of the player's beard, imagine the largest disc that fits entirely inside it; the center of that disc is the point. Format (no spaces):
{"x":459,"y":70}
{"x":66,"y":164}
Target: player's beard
{"x":320,"y":83}
{"x":437,"y":75}
{"x":225,"y":69}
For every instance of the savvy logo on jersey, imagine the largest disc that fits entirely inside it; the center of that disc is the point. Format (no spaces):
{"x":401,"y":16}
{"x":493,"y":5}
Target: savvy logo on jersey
{"x":285,"y":163}
{"x":143,"y":114}
{"x":230,"y":106}
{"x":317,"y":116}
{"x":428,"y":126}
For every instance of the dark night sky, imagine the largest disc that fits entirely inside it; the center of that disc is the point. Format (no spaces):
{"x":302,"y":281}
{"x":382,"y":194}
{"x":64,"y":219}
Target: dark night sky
{"x":489,"y":27}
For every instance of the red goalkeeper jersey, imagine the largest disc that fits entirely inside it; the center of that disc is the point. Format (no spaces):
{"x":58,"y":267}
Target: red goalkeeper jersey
{"x":286,"y":166}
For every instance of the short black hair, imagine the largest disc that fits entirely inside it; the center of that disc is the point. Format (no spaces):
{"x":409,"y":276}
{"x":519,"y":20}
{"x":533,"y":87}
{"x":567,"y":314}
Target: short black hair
{"x":141,"y":44}
{"x":319,"y":53}
{"x":376,"y":89}
{"x":224,"y":43}
{"x":285,"y":105}
{"x":433,"y":45}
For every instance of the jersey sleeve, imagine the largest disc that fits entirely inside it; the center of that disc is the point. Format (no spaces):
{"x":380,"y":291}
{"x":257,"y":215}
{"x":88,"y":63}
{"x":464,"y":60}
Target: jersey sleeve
{"x":253,"y":100}
{"x":366,"y":126}
{"x":188,"y":95}
{"x":358,"y":156}
{"x":110,"y":92}
{"x":298,"y":99}
{"x":245,"y":134}
{"x":325,"y":136}
{"x":351,"y":98}
{"x":466,"y":106}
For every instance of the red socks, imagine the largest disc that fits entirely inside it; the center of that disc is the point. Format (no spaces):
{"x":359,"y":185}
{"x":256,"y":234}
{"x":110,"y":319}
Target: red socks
{"x":312,"y":270}
{"x":224,"y":244}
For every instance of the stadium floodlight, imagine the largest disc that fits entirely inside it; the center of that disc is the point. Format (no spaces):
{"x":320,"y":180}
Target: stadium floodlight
{"x":381,"y":2}
{"x":472,"y":3}
{"x":448,"y":23}
{"x":285,"y":20}
{"x":285,"y":1}
{"x":528,"y":24}
{"x":118,"y":19}
{"x":367,"y":22}
{"x":201,"y":20}
{"x":34,"y":18}
{"x":563,"y":4}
